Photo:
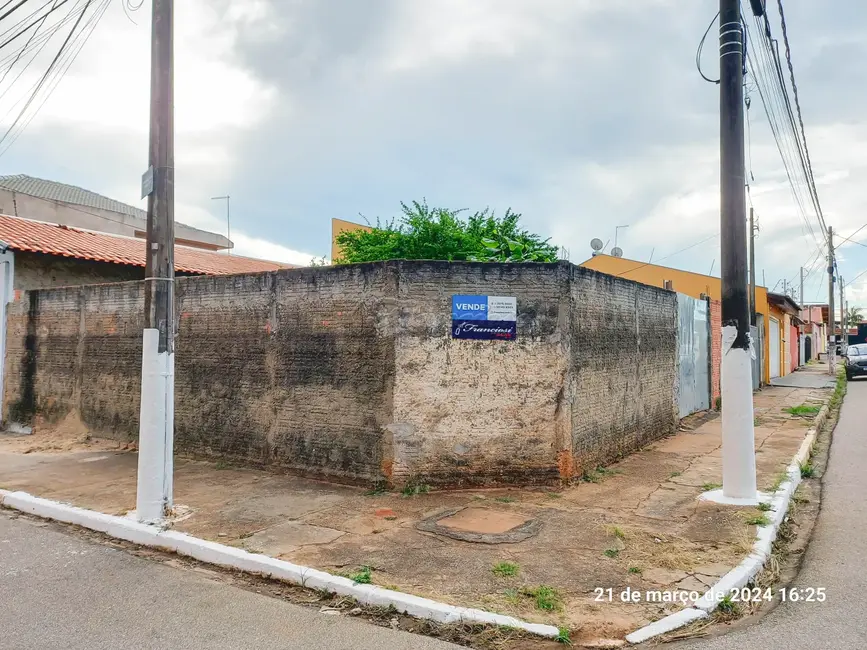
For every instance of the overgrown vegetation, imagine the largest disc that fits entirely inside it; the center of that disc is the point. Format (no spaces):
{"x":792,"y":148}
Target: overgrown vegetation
{"x":505,"y":569}
{"x":423,"y":232}
{"x":758,"y":520}
{"x":729,"y":606}
{"x":807,"y":469}
{"x":563,"y":636}
{"x":546,"y":598}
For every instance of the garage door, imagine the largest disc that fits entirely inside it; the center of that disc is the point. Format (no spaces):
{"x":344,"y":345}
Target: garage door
{"x":774,"y":344}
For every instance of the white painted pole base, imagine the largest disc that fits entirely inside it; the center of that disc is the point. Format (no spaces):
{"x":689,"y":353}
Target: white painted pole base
{"x":738,"y":435}
{"x":156,"y":430}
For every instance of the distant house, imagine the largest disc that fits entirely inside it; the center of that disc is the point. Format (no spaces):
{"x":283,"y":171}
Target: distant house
{"x":338,"y":226}
{"x":43,"y":255}
{"x":67,"y":205}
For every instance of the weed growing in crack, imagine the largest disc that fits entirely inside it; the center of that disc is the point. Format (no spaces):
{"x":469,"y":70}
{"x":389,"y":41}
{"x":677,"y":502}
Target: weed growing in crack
{"x":764,"y":507}
{"x":546,"y":598}
{"x":707,"y":487}
{"x":807,"y":470}
{"x":728,"y":606}
{"x":636,"y":570}
{"x":782,"y":477}
{"x":759,"y":520}
{"x":505,"y":569}
{"x":563,"y":636}
{"x":611,"y":552}
{"x":362,"y":576}
{"x":674,"y":474}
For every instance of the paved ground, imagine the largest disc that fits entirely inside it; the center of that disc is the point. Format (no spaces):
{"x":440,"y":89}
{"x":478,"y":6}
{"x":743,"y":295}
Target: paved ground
{"x":59,"y":591}
{"x":805,"y":378}
{"x":835,"y":559}
{"x":636,"y":524}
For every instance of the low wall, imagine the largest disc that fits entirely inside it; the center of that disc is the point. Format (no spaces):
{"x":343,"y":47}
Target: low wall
{"x":351,"y":372}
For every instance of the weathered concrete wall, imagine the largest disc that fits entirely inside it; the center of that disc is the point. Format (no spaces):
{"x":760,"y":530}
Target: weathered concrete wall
{"x":351,"y":372}
{"x":38,"y":271}
{"x":481,"y":411}
{"x":624,"y":366}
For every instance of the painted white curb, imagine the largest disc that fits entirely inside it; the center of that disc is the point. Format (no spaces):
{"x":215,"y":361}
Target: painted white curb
{"x":235,"y":558}
{"x":741,"y":575}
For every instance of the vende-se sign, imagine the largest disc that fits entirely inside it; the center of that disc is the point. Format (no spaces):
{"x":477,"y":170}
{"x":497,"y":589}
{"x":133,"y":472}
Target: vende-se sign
{"x":484,"y":317}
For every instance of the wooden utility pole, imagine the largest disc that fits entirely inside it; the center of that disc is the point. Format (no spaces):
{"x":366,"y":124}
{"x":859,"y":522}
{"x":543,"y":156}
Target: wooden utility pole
{"x":832,"y":348}
{"x":156,"y":421}
{"x":738,"y":437}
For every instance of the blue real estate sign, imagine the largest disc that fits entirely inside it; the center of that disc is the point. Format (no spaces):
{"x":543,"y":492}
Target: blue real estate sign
{"x":484,"y":317}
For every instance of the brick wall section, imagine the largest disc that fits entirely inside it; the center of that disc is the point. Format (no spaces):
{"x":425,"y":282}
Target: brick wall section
{"x":624,"y":366}
{"x":715,"y":350}
{"x":350,"y":373}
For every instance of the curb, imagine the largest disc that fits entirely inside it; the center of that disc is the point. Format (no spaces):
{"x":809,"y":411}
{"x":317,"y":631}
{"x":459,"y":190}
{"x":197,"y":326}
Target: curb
{"x":235,"y":558}
{"x":741,"y":575}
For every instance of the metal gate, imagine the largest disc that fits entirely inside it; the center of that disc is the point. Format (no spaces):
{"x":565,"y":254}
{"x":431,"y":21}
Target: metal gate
{"x":757,"y":335}
{"x":774,"y":346}
{"x":693,"y":340}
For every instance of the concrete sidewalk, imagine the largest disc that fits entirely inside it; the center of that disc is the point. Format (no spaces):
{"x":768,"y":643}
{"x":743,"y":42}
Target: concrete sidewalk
{"x":635,"y":524}
{"x":837,"y":551}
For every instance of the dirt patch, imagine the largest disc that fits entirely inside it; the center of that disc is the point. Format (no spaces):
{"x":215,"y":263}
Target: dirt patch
{"x":68,"y":434}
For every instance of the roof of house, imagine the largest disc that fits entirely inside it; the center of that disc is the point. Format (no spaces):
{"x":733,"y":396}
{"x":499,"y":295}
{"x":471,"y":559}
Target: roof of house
{"x":51,"y":239}
{"x":64,"y":193}
{"x":784,"y":302}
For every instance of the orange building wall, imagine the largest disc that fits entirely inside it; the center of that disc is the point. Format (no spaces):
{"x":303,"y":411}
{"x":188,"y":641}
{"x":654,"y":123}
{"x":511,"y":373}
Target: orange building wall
{"x":686,"y":282}
{"x":338,"y":226}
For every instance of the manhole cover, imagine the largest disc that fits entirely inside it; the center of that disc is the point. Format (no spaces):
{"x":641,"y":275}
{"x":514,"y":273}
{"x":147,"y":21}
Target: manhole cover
{"x":481,"y":525}
{"x":482,"y":520}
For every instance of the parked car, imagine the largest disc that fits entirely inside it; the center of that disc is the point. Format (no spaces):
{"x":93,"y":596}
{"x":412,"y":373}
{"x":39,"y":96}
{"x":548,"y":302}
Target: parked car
{"x":856,"y":361}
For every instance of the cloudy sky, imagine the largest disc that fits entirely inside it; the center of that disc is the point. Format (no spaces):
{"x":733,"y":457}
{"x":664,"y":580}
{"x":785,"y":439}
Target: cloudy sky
{"x":581,"y":114}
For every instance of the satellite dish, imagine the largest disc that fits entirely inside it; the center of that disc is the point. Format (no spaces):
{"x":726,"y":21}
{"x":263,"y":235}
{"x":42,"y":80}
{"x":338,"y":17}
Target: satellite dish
{"x":617,"y":251}
{"x":596,"y":244}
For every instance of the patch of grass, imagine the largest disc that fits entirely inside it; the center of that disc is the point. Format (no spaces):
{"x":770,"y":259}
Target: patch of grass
{"x":764,"y":507}
{"x":728,"y":606}
{"x":707,"y":487}
{"x":807,"y":469}
{"x":839,"y":391}
{"x":362,"y":576}
{"x":803,"y":410}
{"x":505,"y":499}
{"x":505,"y":569}
{"x":414,"y":489}
{"x":674,"y":474}
{"x":636,"y":570}
{"x":598,"y":474}
{"x":617,"y":532}
{"x":781,"y":478}
{"x":758,"y":520}
{"x":563,"y":636}
{"x":611,"y":552}
{"x":546,"y":598}
{"x":717,"y":404}
{"x":513,"y":596}
{"x":756,"y":421}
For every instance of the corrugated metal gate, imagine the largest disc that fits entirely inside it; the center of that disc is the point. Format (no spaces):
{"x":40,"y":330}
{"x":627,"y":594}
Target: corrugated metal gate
{"x":693,"y":339}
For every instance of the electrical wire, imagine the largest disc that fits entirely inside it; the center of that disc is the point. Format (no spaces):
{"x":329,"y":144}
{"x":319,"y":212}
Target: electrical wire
{"x":682,"y":250}
{"x":701,"y":47}
{"x":24,"y":49}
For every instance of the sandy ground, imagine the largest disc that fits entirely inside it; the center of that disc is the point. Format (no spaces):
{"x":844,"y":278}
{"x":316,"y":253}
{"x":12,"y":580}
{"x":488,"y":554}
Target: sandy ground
{"x":636,"y":524}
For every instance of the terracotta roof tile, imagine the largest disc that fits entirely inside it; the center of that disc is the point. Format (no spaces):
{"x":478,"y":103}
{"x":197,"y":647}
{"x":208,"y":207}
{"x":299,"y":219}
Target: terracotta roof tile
{"x":51,"y":239}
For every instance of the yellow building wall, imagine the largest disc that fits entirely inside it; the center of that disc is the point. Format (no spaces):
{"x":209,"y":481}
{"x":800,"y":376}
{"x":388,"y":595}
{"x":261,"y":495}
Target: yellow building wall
{"x":785,"y":321}
{"x":338,"y":226}
{"x":686,"y":282}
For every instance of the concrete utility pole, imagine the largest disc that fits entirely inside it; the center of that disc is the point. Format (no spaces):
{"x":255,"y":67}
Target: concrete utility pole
{"x":832,"y":362}
{"x":844,"y":335}
{"x":752,"y":269}
{"x":801,"y":294}
{"x":738,"y":436}
{"x":156,"y":420}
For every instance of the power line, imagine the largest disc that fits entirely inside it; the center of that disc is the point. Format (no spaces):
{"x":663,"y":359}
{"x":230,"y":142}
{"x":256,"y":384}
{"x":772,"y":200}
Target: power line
{"x":682,"y":250}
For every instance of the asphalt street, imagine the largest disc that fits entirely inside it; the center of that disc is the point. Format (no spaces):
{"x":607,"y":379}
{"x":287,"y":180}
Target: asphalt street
{"x":61,"y":592}
{"x":835,"y":559}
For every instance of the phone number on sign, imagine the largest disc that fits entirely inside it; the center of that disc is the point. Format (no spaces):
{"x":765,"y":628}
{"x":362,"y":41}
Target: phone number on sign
{"x":744,"y":595}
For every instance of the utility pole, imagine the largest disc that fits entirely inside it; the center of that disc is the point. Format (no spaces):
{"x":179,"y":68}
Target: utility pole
{"x":785,"y":288}
{"x":228,"y":222}
{"x":844,"y":335}
{"x":801,"y":294}
{"x":156,"y":419}
{"x":832,"y":365}
{"x":752,"y":269}
{"x":738,"y":436}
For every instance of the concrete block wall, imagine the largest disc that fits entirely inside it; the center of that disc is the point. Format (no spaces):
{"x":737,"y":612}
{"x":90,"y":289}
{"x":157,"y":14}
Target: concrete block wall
{"x":350,"y":373}
{"x":624,"y":366}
